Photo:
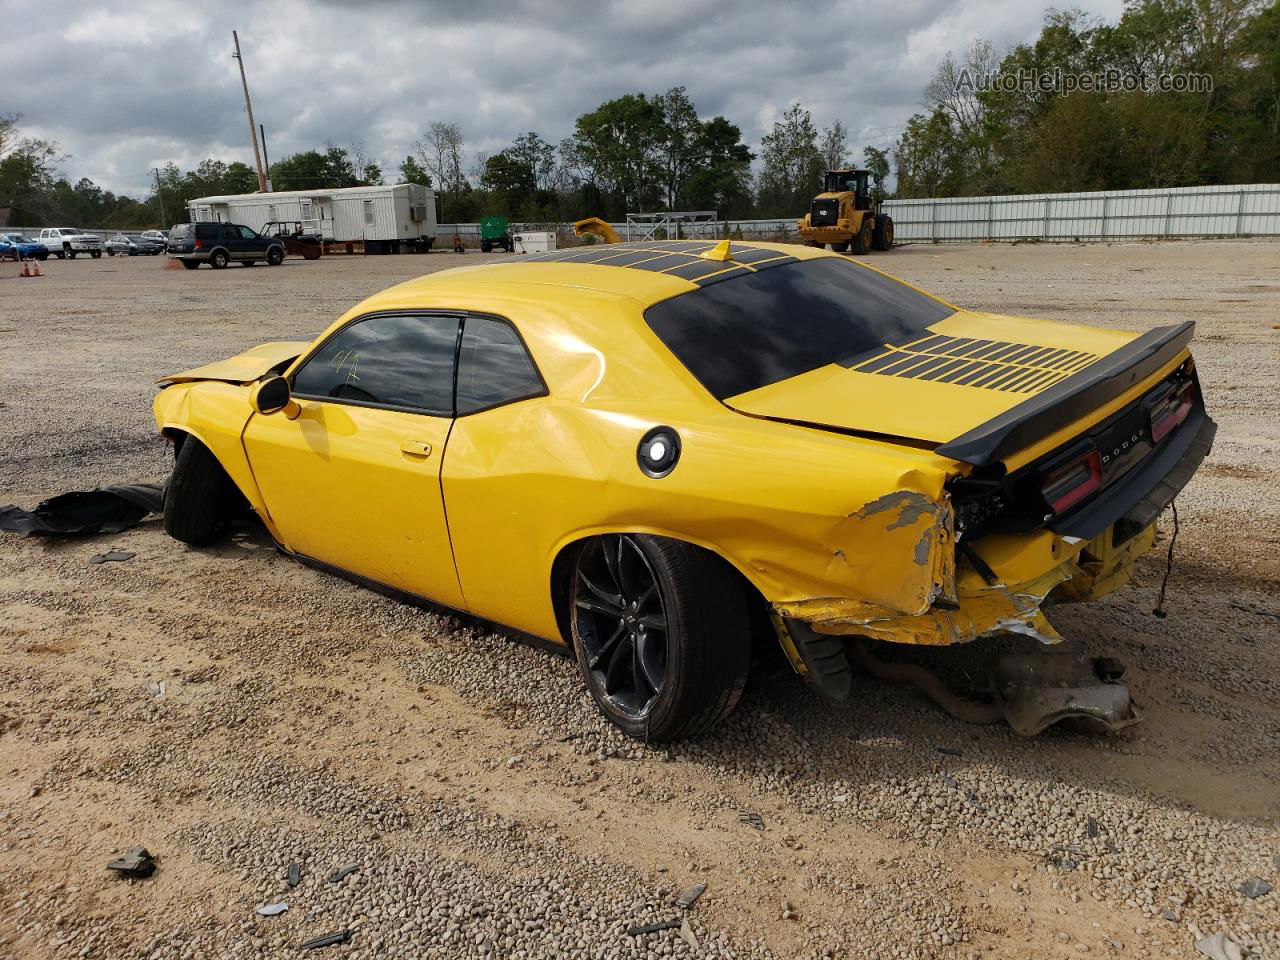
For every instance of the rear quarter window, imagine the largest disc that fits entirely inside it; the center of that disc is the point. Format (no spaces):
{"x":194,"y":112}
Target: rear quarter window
{"x":208,"y":231}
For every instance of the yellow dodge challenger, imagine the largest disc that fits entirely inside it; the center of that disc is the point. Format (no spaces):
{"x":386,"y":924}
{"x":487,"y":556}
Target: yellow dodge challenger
{"x":649,"y":451}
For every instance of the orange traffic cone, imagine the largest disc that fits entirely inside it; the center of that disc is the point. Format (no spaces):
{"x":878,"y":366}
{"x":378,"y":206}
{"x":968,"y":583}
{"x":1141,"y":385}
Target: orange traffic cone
{"x":35,"y":269}
{"x":26,"y":272}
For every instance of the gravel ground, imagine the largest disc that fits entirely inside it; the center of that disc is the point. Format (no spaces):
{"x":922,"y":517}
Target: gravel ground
{"x":490,"y":811}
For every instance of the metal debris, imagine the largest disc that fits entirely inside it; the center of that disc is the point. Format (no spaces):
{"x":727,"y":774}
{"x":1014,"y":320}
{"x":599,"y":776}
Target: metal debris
{"x":1218,"y":947}
{"x":690,"y":896}
{"x":1255,"y":887}
{"x":328,"y":940}
{"x":295,"y":875}
{"x":343,"y":872}
{"x":135,"y":863}
{"x":1091,"y":827}
{"x":687,"y":935}
{"x":950,"y":751}
{"x":272,"y":909}
{"x":113,"y":556}
{"x":654,"y":927}
{"x":751,"y":819}
{"x":1170,"y":915}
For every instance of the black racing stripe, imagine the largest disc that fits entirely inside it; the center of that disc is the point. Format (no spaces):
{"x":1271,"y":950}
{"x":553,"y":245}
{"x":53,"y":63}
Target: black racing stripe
{"x":971,"y":349}
{"x":971,"y":366}
{"x":875,"y":364}
{"x":1072,"y":357}
{"x":1018,"y":356}
{"x":1037,"y":383}
{"x":752,"y":254}
{"x":1001,"y":382}
{"x":1038,"y":358}
{"x":1007,"y":352}
{"x":721,"y":277}
{"x":944,"y":369}
{"x":995,"y":372}
{"x":1080,"y":364}
{"x":770,"y":264}
{"x":956,"y":346}
{"x":1022,"y":377}
{"x":984,"y":368}
{"x":659,"y":262}
{"x":991,"y":346}
{"x":908,"y":361}
{"x":916,"y":373}
{"x":698,"y":268}
{"x":927,"y":344}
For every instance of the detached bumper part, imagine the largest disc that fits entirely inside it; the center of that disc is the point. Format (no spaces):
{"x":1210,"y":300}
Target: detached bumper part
{"x":1038,"y":689}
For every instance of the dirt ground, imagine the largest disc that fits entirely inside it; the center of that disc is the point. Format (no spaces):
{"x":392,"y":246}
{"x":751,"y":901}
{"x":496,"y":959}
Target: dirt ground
{"x":235,"y":712}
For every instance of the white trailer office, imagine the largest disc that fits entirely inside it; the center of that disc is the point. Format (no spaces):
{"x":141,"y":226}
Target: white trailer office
{"x":385,"y":218}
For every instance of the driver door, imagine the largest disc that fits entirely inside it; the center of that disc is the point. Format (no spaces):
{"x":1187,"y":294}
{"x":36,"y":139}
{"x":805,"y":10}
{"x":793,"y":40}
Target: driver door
{"x":354,"y":479}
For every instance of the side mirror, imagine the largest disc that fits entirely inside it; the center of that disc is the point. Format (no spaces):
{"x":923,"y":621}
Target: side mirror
{"x":272,"y":396}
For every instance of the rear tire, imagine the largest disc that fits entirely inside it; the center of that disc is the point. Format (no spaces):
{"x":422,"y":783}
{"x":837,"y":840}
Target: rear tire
{"x":883,"y":237}
{"x":190,"y":264}
{"x":862,"y":239}
{"x":655,"y":682}
{"x":111,"y":253}
{"x":61,"y":255}
{"x":198,"y":497}
{"x":96,"y":254}
{"x":219,"y":259}
{"x":840,"y":247}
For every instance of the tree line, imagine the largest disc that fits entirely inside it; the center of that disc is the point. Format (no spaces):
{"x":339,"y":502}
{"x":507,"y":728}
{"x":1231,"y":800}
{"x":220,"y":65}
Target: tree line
{"x":650,"y":152}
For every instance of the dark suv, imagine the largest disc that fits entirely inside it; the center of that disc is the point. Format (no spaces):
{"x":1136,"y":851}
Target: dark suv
{"x":217,"y":244}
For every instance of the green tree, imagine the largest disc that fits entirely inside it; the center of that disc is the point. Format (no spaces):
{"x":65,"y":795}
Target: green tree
{"x":617,"y":147}
{"x":877,"y":163}
{"x":792,"y":163}
{"x":835,"y":146}
{"x":411,"y":171}
{"x":929,"y":157}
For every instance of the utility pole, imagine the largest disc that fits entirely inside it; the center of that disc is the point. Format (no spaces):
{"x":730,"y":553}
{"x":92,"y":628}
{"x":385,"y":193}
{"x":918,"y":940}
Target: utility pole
{"x":266,"y":161}
{"x":160,"y":197}
{"x":253,"y":128}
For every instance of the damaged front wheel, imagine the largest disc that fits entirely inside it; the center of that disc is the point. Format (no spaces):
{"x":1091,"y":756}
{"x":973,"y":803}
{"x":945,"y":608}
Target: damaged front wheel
{"x":198,"y":497}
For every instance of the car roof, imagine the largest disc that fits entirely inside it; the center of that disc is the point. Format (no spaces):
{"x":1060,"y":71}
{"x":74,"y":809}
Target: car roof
{"x":643,"y":271}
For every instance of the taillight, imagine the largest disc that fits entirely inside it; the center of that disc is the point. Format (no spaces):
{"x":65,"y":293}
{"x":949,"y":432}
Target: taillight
{"x":1171,"y":411}
{"x":1072,"y":481}
{"x":196,"y":245}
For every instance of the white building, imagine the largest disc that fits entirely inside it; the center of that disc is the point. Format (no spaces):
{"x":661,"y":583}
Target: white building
{"x":384,"y":217}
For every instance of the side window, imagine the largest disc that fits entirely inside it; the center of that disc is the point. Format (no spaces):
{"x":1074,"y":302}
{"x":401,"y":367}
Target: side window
{"x":399,"y":361}
{"x":248,"y":233}
{"x":368,"y":213}
{"x":207,"y":231}
{"x":494,"y":367}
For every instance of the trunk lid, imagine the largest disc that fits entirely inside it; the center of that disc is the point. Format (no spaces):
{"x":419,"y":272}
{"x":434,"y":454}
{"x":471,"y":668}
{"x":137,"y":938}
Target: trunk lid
{"x":939,"y":385}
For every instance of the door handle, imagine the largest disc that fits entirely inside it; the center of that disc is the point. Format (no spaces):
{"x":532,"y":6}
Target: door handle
{"x":415,"y":448}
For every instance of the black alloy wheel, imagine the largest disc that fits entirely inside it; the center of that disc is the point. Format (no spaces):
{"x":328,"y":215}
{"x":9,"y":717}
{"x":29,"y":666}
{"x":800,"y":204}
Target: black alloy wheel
{"x":621,"y":622}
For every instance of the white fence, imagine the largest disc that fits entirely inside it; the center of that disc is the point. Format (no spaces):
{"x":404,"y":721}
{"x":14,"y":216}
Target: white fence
{"x":1251,"y":210}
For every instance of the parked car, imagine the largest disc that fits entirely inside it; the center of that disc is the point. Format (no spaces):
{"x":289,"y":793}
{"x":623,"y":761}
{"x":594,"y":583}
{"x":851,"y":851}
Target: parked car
{"x":156,"y":236}
{"x":66,"y":242}
{"x":20,"y":247}
{"x":132,"y":246}
{"x":218,"y":244}
{"x":652,"y":452}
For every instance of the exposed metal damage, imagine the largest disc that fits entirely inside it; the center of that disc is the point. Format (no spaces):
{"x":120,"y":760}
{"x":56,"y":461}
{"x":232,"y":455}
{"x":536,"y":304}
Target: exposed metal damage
{"x":905,"y":543}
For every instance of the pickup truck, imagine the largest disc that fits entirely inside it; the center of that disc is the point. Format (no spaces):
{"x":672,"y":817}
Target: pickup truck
{"x":66,"y":242}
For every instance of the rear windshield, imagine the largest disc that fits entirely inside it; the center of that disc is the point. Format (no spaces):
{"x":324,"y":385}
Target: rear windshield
{"x":769,"y":326}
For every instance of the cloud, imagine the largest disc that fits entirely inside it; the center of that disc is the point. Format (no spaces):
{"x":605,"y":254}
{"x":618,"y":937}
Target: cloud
{"x":127,"y":87}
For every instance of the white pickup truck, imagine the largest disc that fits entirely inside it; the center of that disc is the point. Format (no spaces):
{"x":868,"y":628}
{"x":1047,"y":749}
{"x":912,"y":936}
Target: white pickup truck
{"x":66,"y":242}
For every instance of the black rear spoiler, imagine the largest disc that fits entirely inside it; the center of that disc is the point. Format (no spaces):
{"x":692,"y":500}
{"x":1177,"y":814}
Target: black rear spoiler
{"x":1072,"y":398}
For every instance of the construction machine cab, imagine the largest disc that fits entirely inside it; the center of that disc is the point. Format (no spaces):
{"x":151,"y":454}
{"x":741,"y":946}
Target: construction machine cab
{"x":849,"y":181}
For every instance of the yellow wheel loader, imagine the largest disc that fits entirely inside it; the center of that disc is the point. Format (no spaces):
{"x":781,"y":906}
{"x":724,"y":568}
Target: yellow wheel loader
{"x":846,"y":216}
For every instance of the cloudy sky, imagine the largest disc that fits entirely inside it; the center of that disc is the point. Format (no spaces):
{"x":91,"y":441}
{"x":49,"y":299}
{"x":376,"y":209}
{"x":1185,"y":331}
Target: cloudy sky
{"x":124,"y":87}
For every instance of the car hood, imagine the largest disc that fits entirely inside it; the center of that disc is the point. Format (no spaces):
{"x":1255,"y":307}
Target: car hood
{"x":244,"y":367}
{"x":936,"y":386}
